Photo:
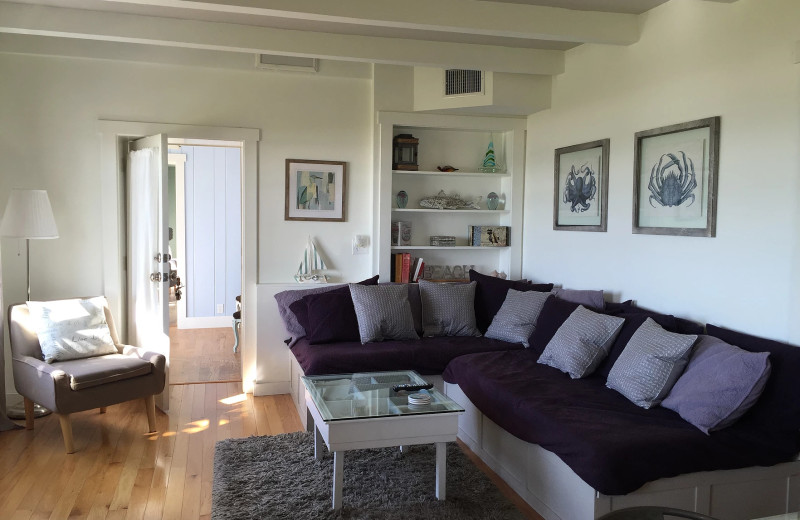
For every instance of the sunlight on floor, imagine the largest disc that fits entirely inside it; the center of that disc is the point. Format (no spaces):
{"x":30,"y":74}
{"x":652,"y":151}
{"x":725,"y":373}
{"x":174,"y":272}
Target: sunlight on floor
{"x":196,"y":426}
{"x":234,"y":399}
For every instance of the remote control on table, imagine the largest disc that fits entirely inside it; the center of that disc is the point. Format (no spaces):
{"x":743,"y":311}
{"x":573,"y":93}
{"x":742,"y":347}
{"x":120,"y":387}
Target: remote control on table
{"x":409,"y":387}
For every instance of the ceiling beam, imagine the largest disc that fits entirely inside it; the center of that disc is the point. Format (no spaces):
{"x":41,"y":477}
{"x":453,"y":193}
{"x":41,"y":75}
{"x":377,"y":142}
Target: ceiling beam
{"x":172,"y":32}
{"x":480,"y":18}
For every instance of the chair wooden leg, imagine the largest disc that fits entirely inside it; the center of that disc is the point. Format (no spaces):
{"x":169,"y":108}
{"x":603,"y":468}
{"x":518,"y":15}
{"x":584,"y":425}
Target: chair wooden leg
{"x":102,"y":409}
{"x":28,"y":413}
{"x":150,"y":406}
{"x":66,"y":431}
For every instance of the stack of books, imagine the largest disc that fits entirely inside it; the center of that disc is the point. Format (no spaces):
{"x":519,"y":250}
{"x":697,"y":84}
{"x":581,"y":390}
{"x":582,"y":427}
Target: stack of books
{"x":405,"y":268}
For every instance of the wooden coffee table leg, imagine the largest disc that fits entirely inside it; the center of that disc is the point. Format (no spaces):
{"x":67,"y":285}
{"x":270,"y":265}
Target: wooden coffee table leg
{"x":338,"y":478}
{"x":441,"y":470}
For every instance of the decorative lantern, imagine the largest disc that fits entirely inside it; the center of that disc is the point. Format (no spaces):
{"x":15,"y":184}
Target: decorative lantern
{"x":404,"y":156}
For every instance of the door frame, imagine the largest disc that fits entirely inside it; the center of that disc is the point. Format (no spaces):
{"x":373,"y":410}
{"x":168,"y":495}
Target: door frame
{"x":114,"y":135}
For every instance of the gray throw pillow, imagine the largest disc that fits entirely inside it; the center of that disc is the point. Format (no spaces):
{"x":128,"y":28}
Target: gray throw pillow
{"x":589,"y":298}
{"x":650,"y":364}
{"x":448,"y":309}
{"x":720,"y":384}
{"x":383,"y":312}
{"x":581,"y":342}
{"x":516,"y":319}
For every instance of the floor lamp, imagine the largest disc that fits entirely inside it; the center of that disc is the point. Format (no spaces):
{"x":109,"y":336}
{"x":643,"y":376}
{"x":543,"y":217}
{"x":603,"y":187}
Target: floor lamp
{"x":28,"y":215}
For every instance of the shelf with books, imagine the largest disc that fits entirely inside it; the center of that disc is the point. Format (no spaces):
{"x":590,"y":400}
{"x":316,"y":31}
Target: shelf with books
{"x":453,"y":211}
{"x":443,"y":248}
{"x":460,"y":141}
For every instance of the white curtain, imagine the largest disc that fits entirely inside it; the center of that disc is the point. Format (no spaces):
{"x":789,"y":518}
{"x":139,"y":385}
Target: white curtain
{"x":143,"y":294}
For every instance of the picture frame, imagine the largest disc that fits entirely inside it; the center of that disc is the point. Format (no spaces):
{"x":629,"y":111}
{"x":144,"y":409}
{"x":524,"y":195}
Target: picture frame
{"x":580,"y":192}
{"x":315,"y":190}
{"x":675,"y":179}
{"x":488,"y":236}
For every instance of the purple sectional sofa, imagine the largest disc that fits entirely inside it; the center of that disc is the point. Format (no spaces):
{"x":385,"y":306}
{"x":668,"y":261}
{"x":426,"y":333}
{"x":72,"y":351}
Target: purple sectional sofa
{"x":576,"y":449}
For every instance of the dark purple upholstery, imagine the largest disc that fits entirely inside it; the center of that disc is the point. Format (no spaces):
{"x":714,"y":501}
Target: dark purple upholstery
{"x":490,"y":293}
{"x":612,"y":444}
{"x":426,"y":355}
{"x":329,"y":316}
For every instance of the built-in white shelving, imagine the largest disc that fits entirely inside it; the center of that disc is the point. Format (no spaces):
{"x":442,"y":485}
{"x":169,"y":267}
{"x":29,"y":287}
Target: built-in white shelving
{"x":461,"y":142}
{"x":452,"y":211}
{"x":444,"y":249}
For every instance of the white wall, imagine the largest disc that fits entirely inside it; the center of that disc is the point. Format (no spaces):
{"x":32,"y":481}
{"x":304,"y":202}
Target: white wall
{"x":694,"y":60}
{"x":49,"y":109}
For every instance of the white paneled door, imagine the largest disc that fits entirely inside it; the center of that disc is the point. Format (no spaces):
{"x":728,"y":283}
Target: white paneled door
{"x":148,"y":258}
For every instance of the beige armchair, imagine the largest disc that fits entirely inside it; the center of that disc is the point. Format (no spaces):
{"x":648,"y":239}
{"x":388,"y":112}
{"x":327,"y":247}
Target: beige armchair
{"x":76,"y":385}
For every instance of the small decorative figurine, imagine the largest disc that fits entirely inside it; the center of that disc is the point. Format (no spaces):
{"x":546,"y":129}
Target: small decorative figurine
{"x":447,"y":168}
{"x":402,"y":199}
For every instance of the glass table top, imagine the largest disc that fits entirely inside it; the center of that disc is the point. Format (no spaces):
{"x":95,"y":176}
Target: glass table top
{"x":369,"y":394}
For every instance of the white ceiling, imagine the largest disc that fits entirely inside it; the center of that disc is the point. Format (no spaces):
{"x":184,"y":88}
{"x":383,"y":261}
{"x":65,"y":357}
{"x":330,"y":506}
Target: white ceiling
{"x":518,"y":36}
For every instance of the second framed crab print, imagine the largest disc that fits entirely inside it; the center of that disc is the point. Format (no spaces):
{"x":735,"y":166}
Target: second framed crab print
{"x":675,"y":179}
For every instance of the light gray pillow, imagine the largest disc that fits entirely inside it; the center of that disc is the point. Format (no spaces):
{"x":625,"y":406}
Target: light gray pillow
{"x":448,"y":309}
{"x":581,"y":342}
{"x":383,"y":312}
{"x":650,"y":364}
{"x":516,"y":319}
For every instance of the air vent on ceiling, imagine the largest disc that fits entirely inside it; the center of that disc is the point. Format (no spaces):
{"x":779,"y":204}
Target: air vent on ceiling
{"x":461,"y":81}
{"x":293,"y":63}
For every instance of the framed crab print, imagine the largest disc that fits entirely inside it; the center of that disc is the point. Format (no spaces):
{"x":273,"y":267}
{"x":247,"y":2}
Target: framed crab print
{"x":675,"y":179}
{"x":581,"y":187}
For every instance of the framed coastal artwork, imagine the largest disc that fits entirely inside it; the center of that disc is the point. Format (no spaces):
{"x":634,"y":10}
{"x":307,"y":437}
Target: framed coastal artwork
{"x":580,"y":198}
{"x":675,"y":179}
{"x":315,"y":190}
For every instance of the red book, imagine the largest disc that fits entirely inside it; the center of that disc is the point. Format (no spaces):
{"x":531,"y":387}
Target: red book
{"x":406,"y":270}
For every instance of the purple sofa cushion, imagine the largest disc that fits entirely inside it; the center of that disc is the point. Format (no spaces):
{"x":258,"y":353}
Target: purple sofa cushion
{"x":778,"y":409}
{"x":588,"y":298}
{"x":612,"y":444}
{"x":720,"y":384}
{"x":683,"y":326}
{"x":294,"y":309}
{"x":331,"y":317}
{"x":490,"y":294}
{"x":426,"y":355}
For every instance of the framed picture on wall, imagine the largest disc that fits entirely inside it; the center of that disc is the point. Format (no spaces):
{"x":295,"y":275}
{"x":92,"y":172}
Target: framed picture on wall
{"x":581,"y":187}
{"x":315,"y":190}
{"x":675,"y":179}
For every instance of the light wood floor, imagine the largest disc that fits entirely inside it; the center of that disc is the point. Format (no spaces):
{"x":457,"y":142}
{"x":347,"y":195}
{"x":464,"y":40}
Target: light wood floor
{"x":120,"y":472}
{"x":203,"y":356}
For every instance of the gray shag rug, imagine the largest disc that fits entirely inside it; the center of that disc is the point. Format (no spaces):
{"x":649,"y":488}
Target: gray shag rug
{"x":276,"y":477}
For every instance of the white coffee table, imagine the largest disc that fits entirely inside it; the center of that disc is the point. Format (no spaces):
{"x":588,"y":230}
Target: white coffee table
{"x":359,"y":411}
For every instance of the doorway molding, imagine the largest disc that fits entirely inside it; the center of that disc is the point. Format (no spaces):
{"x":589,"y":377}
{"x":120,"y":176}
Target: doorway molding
{"x":114,"y":134}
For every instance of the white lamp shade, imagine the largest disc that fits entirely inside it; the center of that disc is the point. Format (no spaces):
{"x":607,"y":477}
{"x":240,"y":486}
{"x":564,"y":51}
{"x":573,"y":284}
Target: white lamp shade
{"x":28,"y":215}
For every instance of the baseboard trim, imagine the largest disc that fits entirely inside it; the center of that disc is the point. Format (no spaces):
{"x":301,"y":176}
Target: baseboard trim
{"x":272,"y":388}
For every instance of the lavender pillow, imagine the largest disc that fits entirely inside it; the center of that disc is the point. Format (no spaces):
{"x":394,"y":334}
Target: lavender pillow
{"x":490,"y":293}
{"x":286,"y":298}
{"x":586,"y":298}
{"x":720,"y":384}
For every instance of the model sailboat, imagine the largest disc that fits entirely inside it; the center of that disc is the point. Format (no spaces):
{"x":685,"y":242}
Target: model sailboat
{"x":310,"y":265}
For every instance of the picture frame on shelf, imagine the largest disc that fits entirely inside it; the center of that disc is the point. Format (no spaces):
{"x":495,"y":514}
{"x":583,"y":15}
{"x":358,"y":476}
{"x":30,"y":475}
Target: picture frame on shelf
{"x":315,"y":190}
{"x":580,"y":195}
{"x":488,"y":236}
{"x":675,"y":179}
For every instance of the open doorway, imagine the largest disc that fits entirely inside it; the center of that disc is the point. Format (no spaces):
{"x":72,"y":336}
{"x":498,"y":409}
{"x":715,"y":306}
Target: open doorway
{"x":205,"y":221}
